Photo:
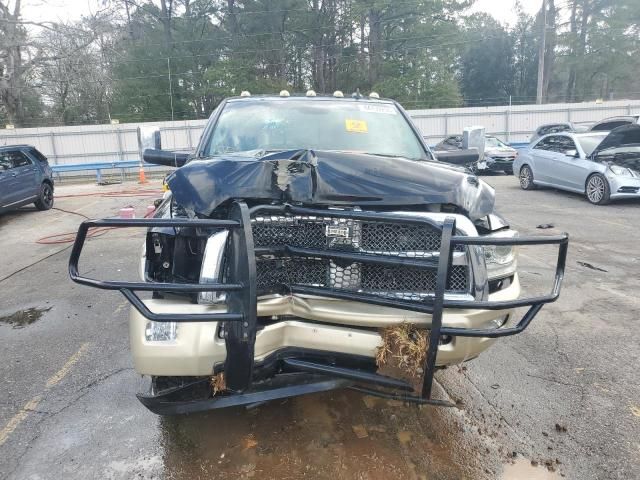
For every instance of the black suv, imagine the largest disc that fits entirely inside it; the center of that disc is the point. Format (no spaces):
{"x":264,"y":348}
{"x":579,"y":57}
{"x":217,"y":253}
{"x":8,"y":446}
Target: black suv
{"x":25,"y":177}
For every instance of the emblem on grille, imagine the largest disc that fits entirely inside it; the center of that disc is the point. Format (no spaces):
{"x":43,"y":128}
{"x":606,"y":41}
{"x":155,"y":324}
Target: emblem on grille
{"x":337,"y":231}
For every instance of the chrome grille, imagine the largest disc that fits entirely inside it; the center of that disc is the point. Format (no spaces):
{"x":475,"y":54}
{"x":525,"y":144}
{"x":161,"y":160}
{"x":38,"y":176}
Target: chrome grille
{"x":276,"y":273}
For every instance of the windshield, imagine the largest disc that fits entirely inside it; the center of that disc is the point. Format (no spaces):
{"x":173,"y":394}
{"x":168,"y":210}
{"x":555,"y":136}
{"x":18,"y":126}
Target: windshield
{"x":590,"y":143}
{"x":364,"y":127}
{"x":494,"y":142}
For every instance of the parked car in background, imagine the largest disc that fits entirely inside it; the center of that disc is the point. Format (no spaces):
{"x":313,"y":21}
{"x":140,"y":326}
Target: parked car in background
{"x":546,"y":129}
{"x":498,"y":156}
{"x":610,"y":123}
{"x":25,"y":177}
{"x":602,"y":165}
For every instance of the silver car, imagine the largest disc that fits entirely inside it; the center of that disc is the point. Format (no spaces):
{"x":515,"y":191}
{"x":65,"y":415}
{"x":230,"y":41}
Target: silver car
{"x":602,"y":165}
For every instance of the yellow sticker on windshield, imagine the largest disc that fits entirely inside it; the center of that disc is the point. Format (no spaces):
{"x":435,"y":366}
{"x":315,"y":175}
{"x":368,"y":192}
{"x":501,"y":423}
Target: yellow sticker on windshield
{"x":356,"y":126}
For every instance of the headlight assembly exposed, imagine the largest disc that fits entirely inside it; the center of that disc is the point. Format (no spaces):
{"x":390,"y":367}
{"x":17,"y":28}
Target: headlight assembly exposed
{"x":212,"y":266}
{"x":501,"y":260}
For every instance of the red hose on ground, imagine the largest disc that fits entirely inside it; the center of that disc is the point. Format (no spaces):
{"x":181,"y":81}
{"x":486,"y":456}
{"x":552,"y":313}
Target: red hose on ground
{"x":69,"y":237}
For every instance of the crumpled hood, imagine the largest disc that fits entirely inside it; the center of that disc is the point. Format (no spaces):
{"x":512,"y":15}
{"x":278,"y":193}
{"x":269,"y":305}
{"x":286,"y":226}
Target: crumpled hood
{"x":327,"y":178}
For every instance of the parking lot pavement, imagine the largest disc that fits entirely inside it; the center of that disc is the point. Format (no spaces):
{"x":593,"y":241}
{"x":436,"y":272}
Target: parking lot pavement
{"x":565,"y":393}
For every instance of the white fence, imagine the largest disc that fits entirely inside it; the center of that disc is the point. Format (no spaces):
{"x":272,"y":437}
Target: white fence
{"x":101,"y":143}
{"x":113,"y":143}
{"x":516,"y":123}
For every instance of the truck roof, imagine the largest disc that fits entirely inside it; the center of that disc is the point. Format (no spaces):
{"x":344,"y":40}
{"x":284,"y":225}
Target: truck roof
{"x":316,"y":98}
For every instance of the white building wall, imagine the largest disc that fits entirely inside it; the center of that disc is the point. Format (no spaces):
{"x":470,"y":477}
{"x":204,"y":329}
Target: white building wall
{"x":112,"y":143}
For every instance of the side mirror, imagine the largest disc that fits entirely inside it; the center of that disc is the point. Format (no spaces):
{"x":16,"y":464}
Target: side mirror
{"x":149,"y":137}
{"x":572,"y":153}
{"x":458,"y":157}
{"x":164,"y":157}
{"x":473,"y":137}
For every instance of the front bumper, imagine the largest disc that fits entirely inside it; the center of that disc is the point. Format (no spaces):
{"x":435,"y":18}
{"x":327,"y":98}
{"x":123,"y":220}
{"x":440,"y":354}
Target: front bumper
{"x":246,"y":342}
{"x":498,"y":165}
{"x":198,"y":349}
{"x":623,"y":187}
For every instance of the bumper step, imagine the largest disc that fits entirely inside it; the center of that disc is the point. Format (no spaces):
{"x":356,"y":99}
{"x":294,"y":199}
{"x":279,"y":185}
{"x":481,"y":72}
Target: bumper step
{"x":347,"y":373}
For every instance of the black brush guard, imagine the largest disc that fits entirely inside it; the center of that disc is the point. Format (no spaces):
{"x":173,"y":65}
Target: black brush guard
{"x":240,"y":320}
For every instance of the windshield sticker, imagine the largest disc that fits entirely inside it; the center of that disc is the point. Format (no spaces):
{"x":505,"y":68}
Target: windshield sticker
{"x":368,"y":107}
{"x":356,"y":126}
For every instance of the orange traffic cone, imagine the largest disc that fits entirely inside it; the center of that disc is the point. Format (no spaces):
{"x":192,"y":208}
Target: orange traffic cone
{"x":141,"y":177}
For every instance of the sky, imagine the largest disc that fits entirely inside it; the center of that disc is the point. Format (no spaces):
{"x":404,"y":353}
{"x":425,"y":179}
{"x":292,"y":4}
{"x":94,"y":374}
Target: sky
{"x":504,"y":10}
{"x":61,"y":10}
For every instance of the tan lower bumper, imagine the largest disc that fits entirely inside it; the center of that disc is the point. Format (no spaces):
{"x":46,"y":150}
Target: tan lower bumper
{"x":197,"y":348}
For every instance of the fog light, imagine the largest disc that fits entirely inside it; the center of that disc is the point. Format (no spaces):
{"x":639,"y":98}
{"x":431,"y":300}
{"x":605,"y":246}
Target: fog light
{"x":498,"y":322}
{"x":161,"y":331}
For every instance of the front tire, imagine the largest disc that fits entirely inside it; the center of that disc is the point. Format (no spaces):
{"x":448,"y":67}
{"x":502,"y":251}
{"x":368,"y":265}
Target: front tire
{"x":597,"y":189}
{"x":526,"y":178}
{"x":45,"y":199}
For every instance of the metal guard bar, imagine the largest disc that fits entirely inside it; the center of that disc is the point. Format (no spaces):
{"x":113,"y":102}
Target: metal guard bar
{"x":128,"y":289}
{"x":240,"y":354}
{"x":430,"y":304}
{"x":435,"y":305}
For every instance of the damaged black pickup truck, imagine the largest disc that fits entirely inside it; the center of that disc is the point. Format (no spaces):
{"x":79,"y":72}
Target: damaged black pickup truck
{"x":313,"y":243}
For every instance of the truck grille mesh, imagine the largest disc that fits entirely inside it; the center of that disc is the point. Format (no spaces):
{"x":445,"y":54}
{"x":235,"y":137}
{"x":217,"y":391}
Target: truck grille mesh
{"x":380,"y":237}
{"x":276,"y":273}
{"x":268,"y":233}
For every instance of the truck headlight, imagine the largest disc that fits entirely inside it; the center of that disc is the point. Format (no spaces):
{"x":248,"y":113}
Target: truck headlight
{"x":212,"y":266}
{"x":501,"y":260}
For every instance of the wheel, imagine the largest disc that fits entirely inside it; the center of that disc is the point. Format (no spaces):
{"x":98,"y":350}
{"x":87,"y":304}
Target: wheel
{"x":45,"y":199}
{"x":526,"y":178}
{"x":597,"y":189}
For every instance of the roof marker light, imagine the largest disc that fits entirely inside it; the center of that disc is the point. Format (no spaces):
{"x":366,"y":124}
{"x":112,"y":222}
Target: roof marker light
{"x":245,"y":93}
{"x":338,"y":94}
{"x":284,"y":93}
{"x":374,"y":95}
{"x":311,"y":93}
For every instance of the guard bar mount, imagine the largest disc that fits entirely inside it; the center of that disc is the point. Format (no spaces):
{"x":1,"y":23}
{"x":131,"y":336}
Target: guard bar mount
{"x":240,"y":318}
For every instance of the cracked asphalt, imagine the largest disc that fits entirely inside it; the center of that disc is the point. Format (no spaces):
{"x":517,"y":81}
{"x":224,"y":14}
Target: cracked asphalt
{"x":561,"y":400}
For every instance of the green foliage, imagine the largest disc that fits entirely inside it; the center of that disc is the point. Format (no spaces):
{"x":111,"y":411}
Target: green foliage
{"x":487,"y":65}
{"x":154,"y":60}
{"x":264,"y":46}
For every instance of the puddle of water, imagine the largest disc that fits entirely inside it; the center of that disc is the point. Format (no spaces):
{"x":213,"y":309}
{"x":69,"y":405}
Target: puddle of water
{"x":315,"y":436}
{"x":22,"y":318}
{"x":522,"y":469}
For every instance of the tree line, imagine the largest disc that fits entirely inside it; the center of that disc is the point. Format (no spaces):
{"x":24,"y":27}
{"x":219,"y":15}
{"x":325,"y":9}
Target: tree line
{"x":150,"y":60}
